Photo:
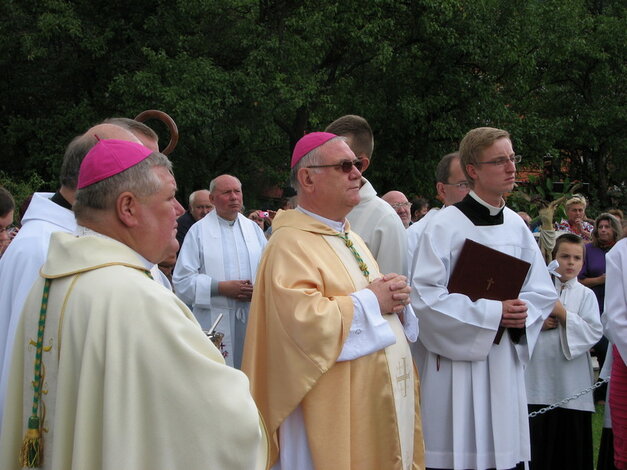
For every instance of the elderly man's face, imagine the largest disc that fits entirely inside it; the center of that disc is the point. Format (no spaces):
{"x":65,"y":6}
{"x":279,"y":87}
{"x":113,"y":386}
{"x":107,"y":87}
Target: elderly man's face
{"x":401,"y":205}
{"x":336,"y":192}
{"x":201,"y":205}
{"x":227,"y":197}
{"x":157,"y":218}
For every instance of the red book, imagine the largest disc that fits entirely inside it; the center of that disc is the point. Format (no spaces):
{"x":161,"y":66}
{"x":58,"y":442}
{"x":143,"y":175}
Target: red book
{"x":484,"y":273}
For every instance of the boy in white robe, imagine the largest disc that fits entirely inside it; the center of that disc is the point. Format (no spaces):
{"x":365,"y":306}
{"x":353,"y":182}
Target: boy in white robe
{"x":560,"y":367}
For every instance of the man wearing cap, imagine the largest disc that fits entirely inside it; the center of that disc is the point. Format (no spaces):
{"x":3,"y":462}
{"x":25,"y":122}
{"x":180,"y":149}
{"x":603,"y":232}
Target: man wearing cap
{"x":326,"y":348}
{"x":373,"y":219}
{"x":216,"y":267}
{"x":110,"y":370}
{"x":47,"y":213}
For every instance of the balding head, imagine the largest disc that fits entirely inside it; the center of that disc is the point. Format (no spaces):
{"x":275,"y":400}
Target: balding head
{"x":200,"y":204}
{"x":145,"y":134}
{"x":78,"y":148}
{"x":400,"y":204}
{"x":226,"y":196}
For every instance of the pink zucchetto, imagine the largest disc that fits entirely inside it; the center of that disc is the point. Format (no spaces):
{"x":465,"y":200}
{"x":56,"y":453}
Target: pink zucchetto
{"x":109,"y":157}
{"x":309,"y":142}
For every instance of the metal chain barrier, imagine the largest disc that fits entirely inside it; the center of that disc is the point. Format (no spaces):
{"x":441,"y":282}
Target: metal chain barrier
{"x":566,"y":400}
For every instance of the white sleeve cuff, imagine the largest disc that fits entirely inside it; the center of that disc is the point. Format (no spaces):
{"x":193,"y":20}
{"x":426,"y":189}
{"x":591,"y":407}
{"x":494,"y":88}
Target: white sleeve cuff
{"x":369,"y":331}
{"x":410,"y":324}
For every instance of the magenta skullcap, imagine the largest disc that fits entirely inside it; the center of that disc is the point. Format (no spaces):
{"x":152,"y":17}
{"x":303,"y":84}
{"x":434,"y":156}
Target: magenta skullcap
{"x":109,"y":157}
{"x":309,"y":142}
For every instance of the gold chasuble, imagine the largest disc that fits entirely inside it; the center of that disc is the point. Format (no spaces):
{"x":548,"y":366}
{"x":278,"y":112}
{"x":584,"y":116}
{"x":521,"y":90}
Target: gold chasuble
{"x":359,"y":414}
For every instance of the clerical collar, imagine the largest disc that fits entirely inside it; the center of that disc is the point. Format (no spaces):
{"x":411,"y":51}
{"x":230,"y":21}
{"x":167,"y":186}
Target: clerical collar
{"x":82,"y":231}
{"x":478,"y":211}
{"x":228,"y":222}
{"x":58,"y":199}
{"x":493,"y":209}
{"x":334,"y":224}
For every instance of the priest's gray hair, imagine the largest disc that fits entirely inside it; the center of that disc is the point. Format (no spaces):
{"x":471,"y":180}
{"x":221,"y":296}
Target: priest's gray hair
{"x":138,"y":179}
{"x":312,"y":158}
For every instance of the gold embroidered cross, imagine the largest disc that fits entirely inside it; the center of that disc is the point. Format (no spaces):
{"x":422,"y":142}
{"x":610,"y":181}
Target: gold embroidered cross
{"x":403,"y":376}
{"x":490,"y":283}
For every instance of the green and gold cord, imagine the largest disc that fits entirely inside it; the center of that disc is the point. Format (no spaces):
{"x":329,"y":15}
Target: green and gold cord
{"x":351,"y":246}
{"x":32,"y":447}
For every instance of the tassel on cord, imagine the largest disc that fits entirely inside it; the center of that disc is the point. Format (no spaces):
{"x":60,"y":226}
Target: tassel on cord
{"x":32,"y":447}
{"x":31,"y":455}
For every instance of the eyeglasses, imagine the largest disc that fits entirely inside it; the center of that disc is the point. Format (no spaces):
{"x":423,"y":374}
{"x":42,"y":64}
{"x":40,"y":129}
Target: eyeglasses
{"x":462,"y":185}
{"x":346,"y":166}
{"x":502,"y":161}
{"x":399,"y":205}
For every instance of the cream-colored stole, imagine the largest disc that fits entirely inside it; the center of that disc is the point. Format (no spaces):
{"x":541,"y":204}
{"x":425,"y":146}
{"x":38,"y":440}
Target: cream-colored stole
{"x":398,"y":355}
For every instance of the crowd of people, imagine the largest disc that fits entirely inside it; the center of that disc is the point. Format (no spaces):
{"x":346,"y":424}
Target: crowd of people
{"x":342,"y":331}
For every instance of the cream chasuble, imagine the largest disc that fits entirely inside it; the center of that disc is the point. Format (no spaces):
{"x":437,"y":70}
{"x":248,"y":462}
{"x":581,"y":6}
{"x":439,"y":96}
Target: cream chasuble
{"x":398,"y":355}
{"x":130,"y":380}
{"x":359,"y":414}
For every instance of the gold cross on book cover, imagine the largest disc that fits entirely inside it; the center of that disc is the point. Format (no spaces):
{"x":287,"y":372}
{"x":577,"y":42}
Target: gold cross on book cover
{"x":482,"y":272}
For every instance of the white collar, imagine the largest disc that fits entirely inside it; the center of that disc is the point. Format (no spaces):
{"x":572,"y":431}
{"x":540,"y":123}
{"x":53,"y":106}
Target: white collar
{"x":493,"y":209}
{"x":334,"y":224}
{"x":228,"y":222}
{"x":559,"y":285}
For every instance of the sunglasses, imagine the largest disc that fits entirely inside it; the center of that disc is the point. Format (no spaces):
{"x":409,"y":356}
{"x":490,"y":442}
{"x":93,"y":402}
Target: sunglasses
{"x":346,"y":166}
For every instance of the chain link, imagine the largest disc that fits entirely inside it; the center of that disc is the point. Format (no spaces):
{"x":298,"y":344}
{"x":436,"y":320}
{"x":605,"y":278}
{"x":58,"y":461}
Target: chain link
{"x":533,"y":414}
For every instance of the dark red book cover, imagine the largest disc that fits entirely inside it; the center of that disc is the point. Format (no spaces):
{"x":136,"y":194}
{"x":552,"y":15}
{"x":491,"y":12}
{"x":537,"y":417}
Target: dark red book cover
{"x":484,"y":273}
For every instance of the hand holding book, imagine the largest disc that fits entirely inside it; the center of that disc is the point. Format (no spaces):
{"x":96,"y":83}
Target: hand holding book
{"x":514,"y":314}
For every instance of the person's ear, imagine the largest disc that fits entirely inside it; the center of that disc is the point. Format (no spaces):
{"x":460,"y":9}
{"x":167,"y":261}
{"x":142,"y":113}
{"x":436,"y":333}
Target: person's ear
{"x":441,"y":190}
{"x":365,"y":163}
{"x":305,"y":180}
{"x":471,"y":170}
{"x":126,"y":207}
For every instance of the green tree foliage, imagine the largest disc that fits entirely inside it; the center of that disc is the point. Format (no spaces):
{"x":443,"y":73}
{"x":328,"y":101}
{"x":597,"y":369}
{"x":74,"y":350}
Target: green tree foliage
{"x":245,"y":79}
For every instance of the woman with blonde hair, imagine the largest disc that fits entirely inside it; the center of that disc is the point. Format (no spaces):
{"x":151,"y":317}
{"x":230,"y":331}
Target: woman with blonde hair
{"x":576,"y":218}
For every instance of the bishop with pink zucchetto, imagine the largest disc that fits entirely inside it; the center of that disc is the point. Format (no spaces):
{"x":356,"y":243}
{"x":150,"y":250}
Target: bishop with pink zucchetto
{"x":327,"y":349}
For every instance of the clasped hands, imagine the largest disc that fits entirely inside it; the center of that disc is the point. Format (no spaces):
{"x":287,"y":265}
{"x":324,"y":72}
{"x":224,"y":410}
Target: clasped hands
{"x":236,"y":289}
{"x":392,"y":292}
{"x":514,"y":313}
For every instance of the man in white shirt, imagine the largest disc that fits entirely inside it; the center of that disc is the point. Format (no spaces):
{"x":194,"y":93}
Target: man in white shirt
{"x":216,"y":267}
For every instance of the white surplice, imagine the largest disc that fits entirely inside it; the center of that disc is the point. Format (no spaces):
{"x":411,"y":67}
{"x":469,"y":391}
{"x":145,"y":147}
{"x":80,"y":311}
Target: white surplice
{"x":378,"y":224}
{"x":217,"y":250}
{"x":414,"y":232}
{"x":561,"y":365}
{"x":473,"y":399}
{"x":615,"y":311}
